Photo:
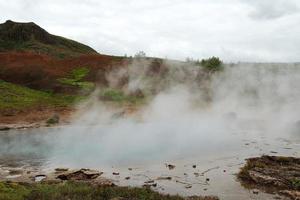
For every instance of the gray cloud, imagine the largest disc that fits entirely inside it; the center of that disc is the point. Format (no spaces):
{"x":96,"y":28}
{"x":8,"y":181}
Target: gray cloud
{"x":266,"y":9}
{"x":235,"y":30}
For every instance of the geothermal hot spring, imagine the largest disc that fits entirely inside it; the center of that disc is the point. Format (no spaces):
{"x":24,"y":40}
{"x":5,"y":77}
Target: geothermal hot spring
{"x":252,"y":110}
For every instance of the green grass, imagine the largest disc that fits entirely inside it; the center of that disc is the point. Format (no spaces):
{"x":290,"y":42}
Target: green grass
{"x":13,"y":191}
{"x":75,"y":78}
{"x":119,"y":96}
{"x":17,"y":97}
{"x":77,"y":191}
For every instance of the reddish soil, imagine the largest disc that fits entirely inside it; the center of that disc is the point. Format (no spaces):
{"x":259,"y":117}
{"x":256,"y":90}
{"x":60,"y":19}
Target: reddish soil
{"x":42,"y":71}
{"x":36,"y":116}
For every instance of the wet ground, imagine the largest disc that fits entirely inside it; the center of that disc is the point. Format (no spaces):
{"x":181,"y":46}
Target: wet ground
{"x":205,"y":165}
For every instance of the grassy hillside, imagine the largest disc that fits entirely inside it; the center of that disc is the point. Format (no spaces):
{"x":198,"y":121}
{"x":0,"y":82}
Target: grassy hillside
{"x":18,"y":97}
{"x":30,"y":37}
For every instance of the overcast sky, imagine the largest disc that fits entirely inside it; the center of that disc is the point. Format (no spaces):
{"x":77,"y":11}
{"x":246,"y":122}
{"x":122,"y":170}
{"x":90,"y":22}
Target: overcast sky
{"x":234,"y":30}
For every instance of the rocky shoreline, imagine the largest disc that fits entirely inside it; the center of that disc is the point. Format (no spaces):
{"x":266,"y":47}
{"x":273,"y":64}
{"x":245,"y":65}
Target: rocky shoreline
{"x":88,"y":177}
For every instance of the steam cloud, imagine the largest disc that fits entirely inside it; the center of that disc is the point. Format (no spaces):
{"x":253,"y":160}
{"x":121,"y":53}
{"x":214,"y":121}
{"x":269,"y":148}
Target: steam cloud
{"x":187,"y":115}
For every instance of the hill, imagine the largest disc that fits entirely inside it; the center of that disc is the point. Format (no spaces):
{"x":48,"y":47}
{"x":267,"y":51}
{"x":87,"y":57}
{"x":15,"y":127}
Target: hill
{"x":16,"y":36}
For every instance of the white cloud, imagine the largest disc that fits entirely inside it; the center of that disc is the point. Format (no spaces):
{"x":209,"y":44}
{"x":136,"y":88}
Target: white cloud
{"x":235,"y":30}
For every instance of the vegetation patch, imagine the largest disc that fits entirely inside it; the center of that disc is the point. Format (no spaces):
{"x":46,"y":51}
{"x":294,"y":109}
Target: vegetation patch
{"x":76,"y":79}
{"x":17,"y":97}
{"x":119,"y":96}
{"x":80,"y":191}
{"x":211,"y":64}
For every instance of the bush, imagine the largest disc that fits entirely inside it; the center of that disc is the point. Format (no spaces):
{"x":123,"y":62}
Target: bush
{"x":212,"y":64}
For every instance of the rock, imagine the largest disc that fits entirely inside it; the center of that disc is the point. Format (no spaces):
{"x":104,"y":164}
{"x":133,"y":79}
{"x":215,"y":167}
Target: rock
{"x":82,"y":174}
{"x":154,"y":185}
{"x":207,"y":179}
{"x":194,"y":166}
{"x":293,"y":194}
{"x":196,"y":174}
{"x":170,"y":166}
{"x":148,"y":182}
{"x":164,"y":178}
{"x":39,"y":178}
{"x":188,"y":186}
{"x":127,"y":178}
{"x":4,"y":128}
{"x":116,"y":173}
{"x":61,"y":169}
{"x":130,"y":169}
{"x":53,"y":120}
{"x":255,"y":191}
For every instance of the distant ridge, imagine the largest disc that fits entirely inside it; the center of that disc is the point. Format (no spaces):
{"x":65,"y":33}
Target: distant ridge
{"x":16,"y":36}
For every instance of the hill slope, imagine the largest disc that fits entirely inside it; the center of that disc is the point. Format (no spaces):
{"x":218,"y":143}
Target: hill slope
{"x":15,"y":36}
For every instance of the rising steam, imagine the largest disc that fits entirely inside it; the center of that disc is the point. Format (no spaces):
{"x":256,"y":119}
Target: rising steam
{"x":187,"y":113}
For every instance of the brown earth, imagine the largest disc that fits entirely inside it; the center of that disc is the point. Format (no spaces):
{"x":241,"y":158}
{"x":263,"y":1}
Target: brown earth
{"x":36,"y":115}
{"x":34,"y":118}
{"x":39,"y":71}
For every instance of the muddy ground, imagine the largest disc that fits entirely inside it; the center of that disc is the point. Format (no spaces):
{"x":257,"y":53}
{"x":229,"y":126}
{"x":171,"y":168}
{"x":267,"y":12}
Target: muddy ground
{"x":275,"y":174}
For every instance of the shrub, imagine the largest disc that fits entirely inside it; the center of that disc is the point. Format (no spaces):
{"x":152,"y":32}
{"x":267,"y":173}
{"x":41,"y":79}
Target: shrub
{"x":212,"y":64}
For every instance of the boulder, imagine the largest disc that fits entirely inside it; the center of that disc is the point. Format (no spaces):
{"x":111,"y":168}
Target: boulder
{"x":82,"y":174}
